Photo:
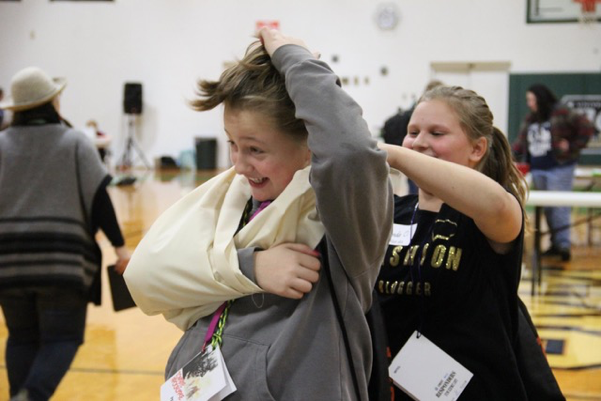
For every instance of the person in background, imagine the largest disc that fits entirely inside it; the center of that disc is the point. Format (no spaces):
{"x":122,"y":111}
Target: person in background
{"x":308,"y":181}
{"x":1,"y":110}
{"x":53,"y":201}
{"x":395,"y":128}
{"x":550,"y":140}
{"x":451,"y":275}
{"x":5,"y":115}
{"x":99,"y":138}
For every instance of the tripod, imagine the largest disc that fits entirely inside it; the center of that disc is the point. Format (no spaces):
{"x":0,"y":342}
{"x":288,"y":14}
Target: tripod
{"x":131,"y":144}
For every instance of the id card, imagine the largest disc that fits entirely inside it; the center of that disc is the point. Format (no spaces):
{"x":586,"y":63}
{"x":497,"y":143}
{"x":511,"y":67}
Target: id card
{"x":425,"y":372}
{"x":204,"y":378}
{"x":402,"y":233}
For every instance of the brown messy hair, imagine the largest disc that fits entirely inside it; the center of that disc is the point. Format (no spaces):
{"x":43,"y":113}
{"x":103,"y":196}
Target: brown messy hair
{"x":476,"y":119}
{"x":252,"y":84}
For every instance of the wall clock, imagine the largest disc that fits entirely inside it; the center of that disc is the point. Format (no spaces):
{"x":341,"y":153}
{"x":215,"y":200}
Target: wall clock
{"x":387,"y":16}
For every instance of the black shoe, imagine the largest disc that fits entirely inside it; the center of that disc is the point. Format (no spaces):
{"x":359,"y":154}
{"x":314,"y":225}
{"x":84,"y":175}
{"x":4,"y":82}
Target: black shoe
{"x":563,"y":253}
{"x":552,"y":251}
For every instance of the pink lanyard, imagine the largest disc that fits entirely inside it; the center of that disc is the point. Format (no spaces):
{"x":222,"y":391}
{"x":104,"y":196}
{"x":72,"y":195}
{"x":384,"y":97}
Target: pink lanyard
{"x":221,"y":312}
{"x":213,"y":325}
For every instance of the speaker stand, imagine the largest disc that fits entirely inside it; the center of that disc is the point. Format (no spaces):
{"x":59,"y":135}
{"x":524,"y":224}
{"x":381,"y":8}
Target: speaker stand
{"x":132,"y":145}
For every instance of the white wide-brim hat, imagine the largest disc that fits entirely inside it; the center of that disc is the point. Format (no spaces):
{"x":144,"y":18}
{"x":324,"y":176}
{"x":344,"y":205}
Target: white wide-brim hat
{"x":32,"y":87}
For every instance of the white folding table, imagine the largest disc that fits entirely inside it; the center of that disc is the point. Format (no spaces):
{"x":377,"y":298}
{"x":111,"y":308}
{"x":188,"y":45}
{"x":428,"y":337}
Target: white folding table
{"x":541,"y":199}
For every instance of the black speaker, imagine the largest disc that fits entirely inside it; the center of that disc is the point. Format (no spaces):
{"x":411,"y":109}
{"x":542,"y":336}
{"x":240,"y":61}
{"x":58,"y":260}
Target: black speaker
{"x":206,"y":153}
{"x":132,"y":98}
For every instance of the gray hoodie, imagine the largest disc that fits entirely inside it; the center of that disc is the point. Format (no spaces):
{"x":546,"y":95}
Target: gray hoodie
{"x":283,"y":349}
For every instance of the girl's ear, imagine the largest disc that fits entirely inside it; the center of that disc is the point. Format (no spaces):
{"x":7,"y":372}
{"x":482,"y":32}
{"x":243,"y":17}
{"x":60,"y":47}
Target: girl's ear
{"x":479,"y":148}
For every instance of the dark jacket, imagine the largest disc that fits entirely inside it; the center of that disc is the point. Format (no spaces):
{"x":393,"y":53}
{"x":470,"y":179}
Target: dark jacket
{"x":565,"y":124}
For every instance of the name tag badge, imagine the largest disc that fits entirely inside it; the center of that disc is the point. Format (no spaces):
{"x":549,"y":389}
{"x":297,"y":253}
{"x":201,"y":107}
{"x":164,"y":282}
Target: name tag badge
{"x":204,"y":378}
{"x":426,"y":372}
{"x":402,"y":234}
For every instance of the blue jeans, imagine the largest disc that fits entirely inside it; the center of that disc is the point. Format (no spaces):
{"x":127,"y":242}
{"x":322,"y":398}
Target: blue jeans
{"x":560,"y":178}
{"x":45,"y":328}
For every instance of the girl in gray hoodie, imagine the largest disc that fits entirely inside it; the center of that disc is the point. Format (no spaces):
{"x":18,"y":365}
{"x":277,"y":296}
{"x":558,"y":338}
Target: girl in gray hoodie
{"x":292,"y":131}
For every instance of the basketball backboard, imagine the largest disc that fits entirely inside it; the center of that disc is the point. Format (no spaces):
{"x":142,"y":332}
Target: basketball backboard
{"x":559,"y":10}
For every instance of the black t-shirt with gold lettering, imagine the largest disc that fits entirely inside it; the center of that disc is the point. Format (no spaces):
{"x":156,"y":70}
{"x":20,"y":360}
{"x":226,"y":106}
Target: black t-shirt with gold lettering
{"x":451,"y":285}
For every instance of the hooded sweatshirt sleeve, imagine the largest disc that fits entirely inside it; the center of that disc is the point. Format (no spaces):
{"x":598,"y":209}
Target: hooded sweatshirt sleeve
{"x":349,"y":172}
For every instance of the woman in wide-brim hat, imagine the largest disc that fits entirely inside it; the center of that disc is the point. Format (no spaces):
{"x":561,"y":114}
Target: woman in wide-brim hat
{"x":49,"y":260}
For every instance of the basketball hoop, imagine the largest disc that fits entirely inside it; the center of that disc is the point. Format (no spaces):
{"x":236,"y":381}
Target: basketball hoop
{"x":588,"y":10}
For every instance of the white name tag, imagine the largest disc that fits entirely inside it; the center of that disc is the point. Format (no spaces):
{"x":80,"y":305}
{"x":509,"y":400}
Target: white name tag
{"x":204,"y":378}
{"x":426,"y":372}
{"x":402,"y":234}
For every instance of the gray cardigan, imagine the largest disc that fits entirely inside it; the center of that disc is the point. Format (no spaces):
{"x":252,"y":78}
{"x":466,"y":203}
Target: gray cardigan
{"x":49,"y":175}
{"x":282,"y":349}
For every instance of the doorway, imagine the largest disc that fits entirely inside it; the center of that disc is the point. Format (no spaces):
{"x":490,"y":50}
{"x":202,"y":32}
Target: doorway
{"x":490,"y":79}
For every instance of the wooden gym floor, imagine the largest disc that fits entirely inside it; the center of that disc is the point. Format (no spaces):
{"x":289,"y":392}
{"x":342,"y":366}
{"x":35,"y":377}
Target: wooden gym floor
{"x":125,"y":352}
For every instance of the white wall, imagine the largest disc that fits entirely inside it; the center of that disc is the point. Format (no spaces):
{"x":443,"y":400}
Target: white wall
{"x":168,"y":44}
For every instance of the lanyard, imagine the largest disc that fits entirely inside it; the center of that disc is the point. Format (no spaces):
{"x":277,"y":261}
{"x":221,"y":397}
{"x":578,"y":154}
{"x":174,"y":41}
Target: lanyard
{"x":217,"y":323}
{"x":411,"y":239}
{"x":215,"y":330}
{"x":262,"y":206}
